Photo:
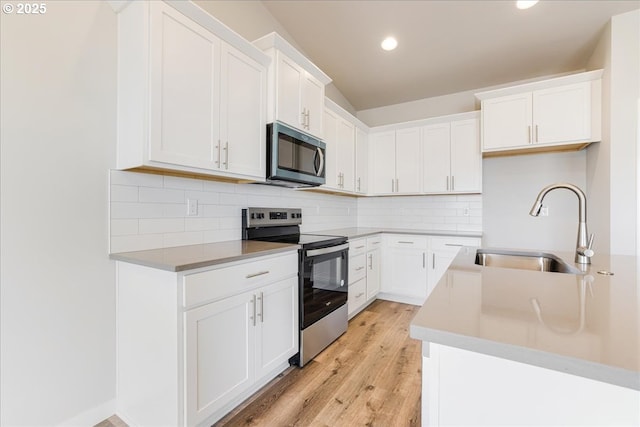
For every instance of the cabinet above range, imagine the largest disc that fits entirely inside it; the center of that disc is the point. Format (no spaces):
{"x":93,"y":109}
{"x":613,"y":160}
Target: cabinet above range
{"x":295,"y":89}
{"x":562,"y":113}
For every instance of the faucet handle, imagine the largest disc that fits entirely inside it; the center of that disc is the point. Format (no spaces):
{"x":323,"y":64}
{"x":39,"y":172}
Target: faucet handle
{"x":588,"y":252}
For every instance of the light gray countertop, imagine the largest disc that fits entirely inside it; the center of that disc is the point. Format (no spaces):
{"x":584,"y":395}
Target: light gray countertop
{"x":586,"y":325}
{"x":357,"y":232}
{"x":182,"y":258}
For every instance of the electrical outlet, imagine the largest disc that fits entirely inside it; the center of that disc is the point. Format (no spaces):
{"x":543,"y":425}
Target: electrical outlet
{"x":544,"y":211}
{"x":192,"y":207}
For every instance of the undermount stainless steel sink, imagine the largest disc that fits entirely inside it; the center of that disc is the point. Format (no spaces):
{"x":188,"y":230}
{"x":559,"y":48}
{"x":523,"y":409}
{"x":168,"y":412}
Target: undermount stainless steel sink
{"x":535,"y":261}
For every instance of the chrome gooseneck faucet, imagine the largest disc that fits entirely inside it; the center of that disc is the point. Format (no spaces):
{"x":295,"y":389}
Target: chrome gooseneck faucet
{"x":584,"y":243}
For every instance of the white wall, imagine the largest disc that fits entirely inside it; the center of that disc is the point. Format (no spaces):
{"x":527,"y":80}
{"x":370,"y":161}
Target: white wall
{"x":612,"y":165}
{"x":58,"y":142}
{"x":510,"y":186}
{"x":149,"y":211}
{"x":625,"y":93}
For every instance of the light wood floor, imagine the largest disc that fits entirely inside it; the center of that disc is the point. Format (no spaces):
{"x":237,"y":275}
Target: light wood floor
{"x":371,"y":376}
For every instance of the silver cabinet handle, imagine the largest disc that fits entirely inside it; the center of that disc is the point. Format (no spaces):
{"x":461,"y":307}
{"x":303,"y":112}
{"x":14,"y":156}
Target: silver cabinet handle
{"x":453,"y":244}
{"x":359,"y":247}
{"x":262,"y":273}
{"x":261,"y":298}
{"x":226,"y":155}
{"x":359,"y":268}
{"x":424,"y":260}
{"x":536,"y":139}
{"x":529,"y":133}
{"x":433,"y":261}
{"x":304,"y":118}
{"x":358,"y":184}
{"x":406,"y":242}
{"x":397,"y":185}
{"x":370,"y":261}
{"x":218,"y":161}
{"x":253,"y":302}
{"x":447,"y":182}
{"x":360,"y":294}
{"x":308,"y":119}
{"x":453,"y":183}
{"x":392,"y":184}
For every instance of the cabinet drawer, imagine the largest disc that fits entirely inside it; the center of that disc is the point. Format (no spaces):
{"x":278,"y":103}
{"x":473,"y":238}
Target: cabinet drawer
{"x":357,"y":246}
{"x":453,"y":244}
{"x":357,"y":295}
{"x":407,"y":241}
{"x":235,"y":279}
{"x":374,"y":242}
{"x":357,"y":267}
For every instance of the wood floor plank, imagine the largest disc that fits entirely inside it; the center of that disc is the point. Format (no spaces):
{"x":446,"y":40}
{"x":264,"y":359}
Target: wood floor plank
{"x":368,"y":377}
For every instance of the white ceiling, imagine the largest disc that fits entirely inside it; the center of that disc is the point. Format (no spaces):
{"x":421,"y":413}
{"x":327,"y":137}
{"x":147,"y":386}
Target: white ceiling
{"x":444,"y":46}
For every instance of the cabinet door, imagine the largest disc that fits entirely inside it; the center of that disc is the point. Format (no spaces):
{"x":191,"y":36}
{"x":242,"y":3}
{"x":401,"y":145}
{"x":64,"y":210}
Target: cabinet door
{"x":466,"y":158}
{"x":346,"y":154}
{"x":331,"y":153}
{"x":184,"y":90}
{"x":439,"y":262}
{"x":313,"y":102}
{"x":436,"y":158}
{"x":289,"y":86}
{"x":383,"y":171}
{"x":562,"y":114}
{"x":362,"y":161}
{"x":408,"y":272}
{"x":219,"y":355}
{"x":373,"y":273}
{"x":242,"y":115}
{"x":277,"y":314}
{"x":506,"y":122}
{"x":408,"y":168}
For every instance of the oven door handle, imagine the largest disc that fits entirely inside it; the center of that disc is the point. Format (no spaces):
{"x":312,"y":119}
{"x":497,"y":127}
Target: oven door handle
{"x":329,"y":250}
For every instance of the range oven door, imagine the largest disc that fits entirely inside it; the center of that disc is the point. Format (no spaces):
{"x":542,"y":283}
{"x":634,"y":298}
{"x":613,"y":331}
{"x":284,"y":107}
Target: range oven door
{"x":324,"y":282}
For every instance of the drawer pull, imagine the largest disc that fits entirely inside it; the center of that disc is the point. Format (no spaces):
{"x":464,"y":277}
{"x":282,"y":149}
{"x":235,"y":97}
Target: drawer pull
{"x":359,"y":268}
{"x":375,"y":243}
{"x":262,"y":273}
{"x":404,"y":241}
{"x":453,"y":244}
{"x":360,"y":294}
{"x":359,"y":247}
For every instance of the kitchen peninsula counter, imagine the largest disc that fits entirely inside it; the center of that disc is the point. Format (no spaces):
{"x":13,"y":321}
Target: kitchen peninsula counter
{"x":516,"y":347}
{"x":586,"y":325}
{"x":180,"y":258}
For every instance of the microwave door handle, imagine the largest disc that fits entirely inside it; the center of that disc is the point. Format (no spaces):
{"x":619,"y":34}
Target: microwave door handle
{"x":321,"y":157}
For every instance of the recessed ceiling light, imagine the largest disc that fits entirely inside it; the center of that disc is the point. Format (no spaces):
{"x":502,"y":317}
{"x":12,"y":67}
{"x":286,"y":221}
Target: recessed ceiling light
{"x":389,"y":43}
{"x":525,"y":4}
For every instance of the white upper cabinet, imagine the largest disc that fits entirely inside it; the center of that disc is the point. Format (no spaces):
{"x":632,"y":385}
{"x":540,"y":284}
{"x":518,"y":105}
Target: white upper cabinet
{"x":296,"y":87}
{"x":395,"y":161}
{"x":452,"y":160}
{"x":340,"y":152}
{"x":191,"y":93}
{"x":561,"y":113}
{"x":362,"y":161}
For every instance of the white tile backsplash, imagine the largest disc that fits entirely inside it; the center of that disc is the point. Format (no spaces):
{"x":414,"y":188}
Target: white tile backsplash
{"x":150,"y":211}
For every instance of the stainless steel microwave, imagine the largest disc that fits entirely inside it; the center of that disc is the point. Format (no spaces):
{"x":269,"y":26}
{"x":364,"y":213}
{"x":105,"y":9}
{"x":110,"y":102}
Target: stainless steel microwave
{"x":294,"y":159}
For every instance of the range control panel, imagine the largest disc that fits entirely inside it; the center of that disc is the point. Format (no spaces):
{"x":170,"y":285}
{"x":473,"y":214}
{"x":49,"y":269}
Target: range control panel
{"x":271,"y":217}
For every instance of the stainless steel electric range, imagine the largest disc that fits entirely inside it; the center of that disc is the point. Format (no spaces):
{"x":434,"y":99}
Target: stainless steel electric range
{"x":322,"y":275}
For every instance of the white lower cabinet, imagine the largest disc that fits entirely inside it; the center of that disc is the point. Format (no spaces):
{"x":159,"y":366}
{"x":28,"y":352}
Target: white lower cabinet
{"x":404,"y":274}
{"x":364,"y":272}
{"x":193,"y":345}
{"x":442,"y":250}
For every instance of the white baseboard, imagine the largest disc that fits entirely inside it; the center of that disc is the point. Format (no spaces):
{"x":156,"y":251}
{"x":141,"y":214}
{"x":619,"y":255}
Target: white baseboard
{"x":404,"y":299}
{"x":92,"y":416}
